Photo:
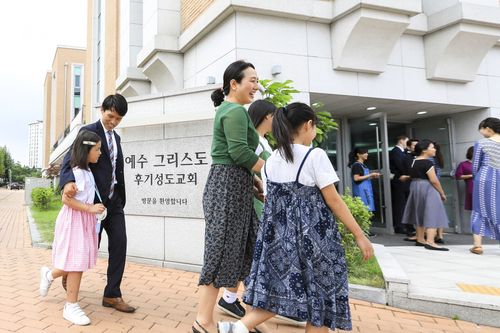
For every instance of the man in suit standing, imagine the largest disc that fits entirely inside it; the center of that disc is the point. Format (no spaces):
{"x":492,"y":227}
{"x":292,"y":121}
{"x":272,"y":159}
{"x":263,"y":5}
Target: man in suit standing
{"x":400,"y":186}
{"x":108,"y":175}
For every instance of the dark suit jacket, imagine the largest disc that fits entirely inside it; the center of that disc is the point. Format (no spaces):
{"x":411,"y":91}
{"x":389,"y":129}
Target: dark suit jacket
{"x":102,"y":170}
{"x":398,"y":165}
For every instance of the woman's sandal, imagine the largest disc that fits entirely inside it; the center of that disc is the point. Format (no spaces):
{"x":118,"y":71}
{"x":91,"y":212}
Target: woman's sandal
{"x":476,"y":249}
{"x":196,"y":330}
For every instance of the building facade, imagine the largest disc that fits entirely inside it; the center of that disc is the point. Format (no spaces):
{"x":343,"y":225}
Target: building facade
{"x":64,"y":93}
{"x":35,"y":144}
{"x":426,"y":68}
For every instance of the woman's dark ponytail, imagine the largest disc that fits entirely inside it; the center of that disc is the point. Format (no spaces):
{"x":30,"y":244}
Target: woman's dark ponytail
{"x":353,"y":155}
{"x":286,"y":122}
{"x":233,"y":72}
{"x":217,"y":97}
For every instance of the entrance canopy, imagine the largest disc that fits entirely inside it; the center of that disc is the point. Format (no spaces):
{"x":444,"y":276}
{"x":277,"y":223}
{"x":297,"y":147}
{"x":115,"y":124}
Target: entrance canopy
{"x":396,"y":110}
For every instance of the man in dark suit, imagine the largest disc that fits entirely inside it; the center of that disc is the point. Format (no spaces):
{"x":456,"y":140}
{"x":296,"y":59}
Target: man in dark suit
{"x":108,"y":175}
{"x":400,"y":186}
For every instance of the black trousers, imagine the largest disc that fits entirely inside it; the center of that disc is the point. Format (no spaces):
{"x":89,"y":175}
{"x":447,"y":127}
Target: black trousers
{"x":399,"y":193}
{"x":114,"y":225}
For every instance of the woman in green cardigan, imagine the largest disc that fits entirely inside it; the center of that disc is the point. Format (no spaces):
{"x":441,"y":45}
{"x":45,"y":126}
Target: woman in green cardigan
{"x":230,"y":220}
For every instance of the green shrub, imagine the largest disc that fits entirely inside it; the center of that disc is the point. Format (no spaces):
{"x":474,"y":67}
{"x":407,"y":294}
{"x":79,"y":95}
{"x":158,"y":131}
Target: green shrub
{"x":42,"y":196}
{"x":363,"y":217}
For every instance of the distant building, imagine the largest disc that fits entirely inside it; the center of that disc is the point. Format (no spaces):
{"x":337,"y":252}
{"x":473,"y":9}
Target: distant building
{"x":63,"y":103}
{"x":35,"y":144}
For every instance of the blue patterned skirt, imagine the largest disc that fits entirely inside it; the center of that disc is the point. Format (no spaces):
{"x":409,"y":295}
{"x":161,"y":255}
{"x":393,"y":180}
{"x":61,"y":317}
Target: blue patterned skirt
{"x":299,"y":268}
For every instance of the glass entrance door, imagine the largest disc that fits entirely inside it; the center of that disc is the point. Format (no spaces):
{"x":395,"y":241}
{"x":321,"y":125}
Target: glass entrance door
{"x":368,"y":133}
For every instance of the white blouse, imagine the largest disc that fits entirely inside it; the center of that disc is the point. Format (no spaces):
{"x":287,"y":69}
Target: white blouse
{"x":86,"y":185}
{"x":317,"y":170}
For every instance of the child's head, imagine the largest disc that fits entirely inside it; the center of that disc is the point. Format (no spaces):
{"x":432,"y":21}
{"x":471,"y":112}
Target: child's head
{"x":293,"y":122}
{"x":86,"y":149}
{"x":261,"y":113}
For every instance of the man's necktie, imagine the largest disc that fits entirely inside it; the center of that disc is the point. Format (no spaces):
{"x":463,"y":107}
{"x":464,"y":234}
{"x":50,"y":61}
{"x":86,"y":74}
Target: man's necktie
{"x":113,"y":163}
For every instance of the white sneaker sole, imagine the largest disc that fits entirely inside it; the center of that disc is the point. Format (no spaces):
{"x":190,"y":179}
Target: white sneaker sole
{"x":76,"y":323}
{"x":227,"y":312}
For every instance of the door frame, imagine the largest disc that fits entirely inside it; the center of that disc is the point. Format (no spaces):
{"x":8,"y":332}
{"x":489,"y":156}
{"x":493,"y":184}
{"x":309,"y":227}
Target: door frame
{"x":383,"y":146}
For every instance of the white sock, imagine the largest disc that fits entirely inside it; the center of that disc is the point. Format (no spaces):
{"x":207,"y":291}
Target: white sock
{"x":49,"y":276}
{"x":70,"y":305}
{"x":229,"y":297}
{"x":239,"y":327}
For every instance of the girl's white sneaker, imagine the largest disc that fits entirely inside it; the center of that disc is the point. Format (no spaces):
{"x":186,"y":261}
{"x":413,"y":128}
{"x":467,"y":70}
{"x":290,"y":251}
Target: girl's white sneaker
{"x":74,"y":314}
{"x":45,"y":281}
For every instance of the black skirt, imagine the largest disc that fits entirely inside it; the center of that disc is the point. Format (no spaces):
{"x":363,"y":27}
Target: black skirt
{"x":231,"y":226}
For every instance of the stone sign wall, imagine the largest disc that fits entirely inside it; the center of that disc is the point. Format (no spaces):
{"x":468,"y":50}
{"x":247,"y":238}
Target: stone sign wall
{"x":166,"y":177}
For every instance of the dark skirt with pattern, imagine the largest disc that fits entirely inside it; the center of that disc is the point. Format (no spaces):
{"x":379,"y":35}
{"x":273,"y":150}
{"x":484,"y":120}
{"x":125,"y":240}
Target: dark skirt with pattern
{"x":299,"y":268}
{"x":424,"y":207}
{"x":231,"y":226}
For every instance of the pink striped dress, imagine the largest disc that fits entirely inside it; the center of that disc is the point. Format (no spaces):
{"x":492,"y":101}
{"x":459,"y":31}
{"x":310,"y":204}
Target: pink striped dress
{"x":75,"y":238}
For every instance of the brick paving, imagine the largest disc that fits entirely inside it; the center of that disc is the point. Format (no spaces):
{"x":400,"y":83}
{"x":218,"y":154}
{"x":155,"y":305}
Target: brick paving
{"x":166,"y":298}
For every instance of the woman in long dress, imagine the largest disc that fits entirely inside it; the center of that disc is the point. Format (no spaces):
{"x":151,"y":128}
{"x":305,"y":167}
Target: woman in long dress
{"x":424,"y":207}
{"x":485,"y":218}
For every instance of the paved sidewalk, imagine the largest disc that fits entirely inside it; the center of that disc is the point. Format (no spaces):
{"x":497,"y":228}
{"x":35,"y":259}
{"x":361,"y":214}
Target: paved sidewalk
{"x":166,"y":298}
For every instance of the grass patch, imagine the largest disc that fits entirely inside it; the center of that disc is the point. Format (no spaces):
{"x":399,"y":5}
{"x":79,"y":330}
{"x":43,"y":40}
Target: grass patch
{"x":45,"y":219}
{"x":366,"y":273}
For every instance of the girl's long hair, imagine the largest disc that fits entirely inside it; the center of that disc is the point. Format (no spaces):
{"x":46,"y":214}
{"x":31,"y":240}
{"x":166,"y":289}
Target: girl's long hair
{"x":286,"y":122}
{"x":82,"y":145}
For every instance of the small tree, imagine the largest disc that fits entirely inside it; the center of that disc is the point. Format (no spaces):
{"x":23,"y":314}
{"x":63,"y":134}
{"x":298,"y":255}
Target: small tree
{"x":280,"y":94}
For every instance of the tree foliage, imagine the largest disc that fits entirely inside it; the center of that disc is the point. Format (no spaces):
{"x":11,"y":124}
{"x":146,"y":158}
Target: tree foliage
{"x":18,"y":171}
{"x":281,"y":94}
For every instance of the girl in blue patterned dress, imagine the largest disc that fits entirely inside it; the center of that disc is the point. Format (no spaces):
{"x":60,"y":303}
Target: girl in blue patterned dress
{"x":299,"y":268}
{"x":485,"y":217}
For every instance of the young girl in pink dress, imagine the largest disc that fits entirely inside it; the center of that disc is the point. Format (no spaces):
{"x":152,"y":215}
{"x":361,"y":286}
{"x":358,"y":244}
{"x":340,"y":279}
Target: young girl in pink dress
{"x":75,"y":239}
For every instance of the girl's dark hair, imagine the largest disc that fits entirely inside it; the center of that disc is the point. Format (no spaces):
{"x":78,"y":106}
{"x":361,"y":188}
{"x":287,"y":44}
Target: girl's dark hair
{"x":422,"y":145}
{"x":81,"y":148}
{"x":439,"y":156}
{"x":353,"y":155}
{"x":492,"y":123}
{"x":286,"y":122}
{"x":258,"y":111}
{"x":470,"y":153}
{"x":232,"y":72}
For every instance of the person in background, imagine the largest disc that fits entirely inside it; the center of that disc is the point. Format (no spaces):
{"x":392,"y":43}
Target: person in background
{"x":399,"y":183}
{"x":409,"y":157}
{"x":485,"y":218}
{"x":424,"y":207}
{"x":438,"y":162}
{"x":261,"y":113}
{"x":361,"y":177}
{"x":464,"y":172}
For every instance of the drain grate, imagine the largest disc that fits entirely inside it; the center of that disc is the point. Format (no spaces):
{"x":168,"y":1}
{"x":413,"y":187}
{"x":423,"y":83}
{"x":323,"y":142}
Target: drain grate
{"x":479,"y":289}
